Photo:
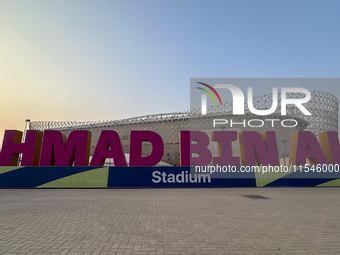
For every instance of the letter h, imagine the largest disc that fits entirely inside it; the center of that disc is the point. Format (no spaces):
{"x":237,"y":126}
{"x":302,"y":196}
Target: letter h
{"x":12,"y":147}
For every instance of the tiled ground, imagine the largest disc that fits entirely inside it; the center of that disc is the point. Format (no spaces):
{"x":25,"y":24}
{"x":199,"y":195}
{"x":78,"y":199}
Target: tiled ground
{"x":170,"y":221}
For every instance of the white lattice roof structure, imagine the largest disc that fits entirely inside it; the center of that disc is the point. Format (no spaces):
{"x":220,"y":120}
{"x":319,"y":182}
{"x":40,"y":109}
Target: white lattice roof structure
{"x":323,"y":106}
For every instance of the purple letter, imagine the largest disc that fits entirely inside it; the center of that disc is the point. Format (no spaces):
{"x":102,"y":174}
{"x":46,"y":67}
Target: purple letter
{"x":330,"y":146}
{"x":256,"y":148}
{"x":57,"y":152}
{"x":187,"y":148}
{"x":225,"y":151}
{"x":305,"y":146}
{"x":12,"y":146}
{"x":108,"y":146}
{"x":136,"y":139}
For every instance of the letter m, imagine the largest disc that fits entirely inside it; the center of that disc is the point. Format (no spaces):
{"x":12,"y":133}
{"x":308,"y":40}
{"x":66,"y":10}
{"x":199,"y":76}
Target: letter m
{"x":57,"y":150}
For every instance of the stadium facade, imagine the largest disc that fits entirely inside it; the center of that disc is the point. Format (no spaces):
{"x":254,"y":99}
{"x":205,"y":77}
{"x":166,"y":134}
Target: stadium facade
{"x":323,"y":107}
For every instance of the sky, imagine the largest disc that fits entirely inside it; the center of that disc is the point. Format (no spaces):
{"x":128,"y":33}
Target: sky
{"x":106,"y":60}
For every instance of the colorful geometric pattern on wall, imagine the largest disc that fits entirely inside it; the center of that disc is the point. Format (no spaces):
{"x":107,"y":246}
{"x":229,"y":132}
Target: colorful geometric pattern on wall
{"x":142,"y":177}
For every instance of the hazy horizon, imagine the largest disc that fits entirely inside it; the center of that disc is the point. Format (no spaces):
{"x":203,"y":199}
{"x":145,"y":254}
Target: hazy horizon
{"x":88,"y":60}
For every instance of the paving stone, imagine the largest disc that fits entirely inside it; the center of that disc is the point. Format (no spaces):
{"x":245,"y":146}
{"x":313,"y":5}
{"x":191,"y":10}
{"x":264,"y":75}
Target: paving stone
{"x":170,"y":221}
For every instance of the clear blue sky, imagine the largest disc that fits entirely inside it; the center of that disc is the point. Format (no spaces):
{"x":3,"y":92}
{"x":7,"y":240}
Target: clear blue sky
{"x":93,"y":60}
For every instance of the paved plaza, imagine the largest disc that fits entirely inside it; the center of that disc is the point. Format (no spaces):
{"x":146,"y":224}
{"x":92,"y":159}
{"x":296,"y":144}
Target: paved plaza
{"x":170,"y":221}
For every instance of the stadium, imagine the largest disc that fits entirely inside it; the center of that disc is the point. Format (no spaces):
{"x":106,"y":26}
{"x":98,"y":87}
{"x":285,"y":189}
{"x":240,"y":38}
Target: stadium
{"x":323,"y":107}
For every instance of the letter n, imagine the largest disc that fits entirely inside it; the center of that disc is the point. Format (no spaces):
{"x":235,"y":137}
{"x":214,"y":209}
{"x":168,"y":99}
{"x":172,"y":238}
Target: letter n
{"x":257,"y":149}
{"x":57,"y":150}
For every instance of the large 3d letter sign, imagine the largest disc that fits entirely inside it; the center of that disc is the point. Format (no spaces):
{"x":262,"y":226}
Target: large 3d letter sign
{"x":52,"y":148}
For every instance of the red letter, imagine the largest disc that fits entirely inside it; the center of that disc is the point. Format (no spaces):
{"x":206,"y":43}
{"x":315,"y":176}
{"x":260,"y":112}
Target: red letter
{"x":56,"y":152}
{"x":108,"y":139}
{"x":157,"y":151}
{"x":12,"y":146}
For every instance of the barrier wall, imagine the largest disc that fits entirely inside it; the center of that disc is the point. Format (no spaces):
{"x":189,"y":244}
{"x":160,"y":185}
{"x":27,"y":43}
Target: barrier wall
{"x":147,"y":177}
